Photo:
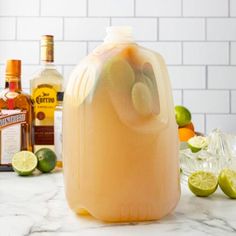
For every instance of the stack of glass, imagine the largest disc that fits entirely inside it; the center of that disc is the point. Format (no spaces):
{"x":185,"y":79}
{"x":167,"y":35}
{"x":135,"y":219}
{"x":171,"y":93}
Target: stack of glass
{"x":220,"y":153}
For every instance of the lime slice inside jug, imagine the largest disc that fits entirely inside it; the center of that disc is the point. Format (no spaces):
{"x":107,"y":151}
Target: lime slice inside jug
{"x":142,"y":99}
{"x":202,"y":183}
{"x":120,"y":74}
{"x":197,"y":143}
{"x":151,"y":84}
{"x":227,"y":182}
{"x":24,"y":163}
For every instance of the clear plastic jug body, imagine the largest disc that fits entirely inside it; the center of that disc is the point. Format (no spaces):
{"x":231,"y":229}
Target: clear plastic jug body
{"x":120,"y":143}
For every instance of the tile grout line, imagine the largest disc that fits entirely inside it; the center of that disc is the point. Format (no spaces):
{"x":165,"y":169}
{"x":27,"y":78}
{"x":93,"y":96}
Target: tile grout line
{"x":206,"y":85}
{"x":158,"y":29}
{"x":120,"y":17}
{"x":229,"y":8}
{"x":134,"y":10}
{"x":40,"y":8}
{"x":87,"y":8}
{"x":16,"y":28}
{"x":63,"y":28}
{"x":87,"y":47}
{"x":138,"y":40}
{"x":182,"y":8}
{"x":230,"y":95}
{"x":168,"y":65}
{"x":204,"y":90}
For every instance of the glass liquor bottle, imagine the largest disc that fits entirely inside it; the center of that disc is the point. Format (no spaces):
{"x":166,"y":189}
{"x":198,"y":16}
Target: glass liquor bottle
{"x":58,"y":129}
{"x":44,"y":87}
{"x":16,"y":116}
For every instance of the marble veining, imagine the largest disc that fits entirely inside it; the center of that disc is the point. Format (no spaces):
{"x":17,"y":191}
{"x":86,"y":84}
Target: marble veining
{"x":37,"y":206}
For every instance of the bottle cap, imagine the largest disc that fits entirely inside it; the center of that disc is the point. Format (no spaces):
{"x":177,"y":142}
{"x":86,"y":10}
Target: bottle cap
{"x":46,"y":39}
{"x":47,"y":48}
{"x":60,"y":96}
{"x":13,"y":68}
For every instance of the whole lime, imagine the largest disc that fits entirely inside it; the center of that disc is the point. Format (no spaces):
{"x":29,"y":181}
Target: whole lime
{"x":47,"y":160}
{"x":182,"y":115}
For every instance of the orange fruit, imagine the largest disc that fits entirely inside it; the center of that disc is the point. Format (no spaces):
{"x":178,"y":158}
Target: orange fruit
{"x":189,"y":126}
{"x":185,"y":134}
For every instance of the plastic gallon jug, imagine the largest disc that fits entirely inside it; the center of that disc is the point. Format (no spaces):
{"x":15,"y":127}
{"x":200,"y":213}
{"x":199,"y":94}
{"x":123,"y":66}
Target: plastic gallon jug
{"x":120,"y":143}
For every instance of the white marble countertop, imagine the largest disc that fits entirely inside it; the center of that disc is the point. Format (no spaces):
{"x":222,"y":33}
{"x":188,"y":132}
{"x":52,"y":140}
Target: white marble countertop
{"x":37,"y":206}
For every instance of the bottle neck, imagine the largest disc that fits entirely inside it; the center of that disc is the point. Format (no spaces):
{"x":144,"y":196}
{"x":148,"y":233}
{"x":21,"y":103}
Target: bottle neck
{"x":13,"y":84}
{"x":6,"y":84}
{"x":47,"y":64}
{"x":47,"y":53}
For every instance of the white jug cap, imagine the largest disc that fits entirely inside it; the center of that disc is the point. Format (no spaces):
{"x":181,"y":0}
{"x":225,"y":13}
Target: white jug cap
{"x":118,"y":34}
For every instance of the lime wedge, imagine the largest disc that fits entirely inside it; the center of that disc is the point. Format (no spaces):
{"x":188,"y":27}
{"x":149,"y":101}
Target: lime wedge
{"x":202,"y":183}
{"x":24,"y":163}
{"x":227,"y":182}
{"x":197,"y":143}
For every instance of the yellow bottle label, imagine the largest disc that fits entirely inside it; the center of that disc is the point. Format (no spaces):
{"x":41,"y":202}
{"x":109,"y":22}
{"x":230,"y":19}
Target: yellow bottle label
{"x":45,"y":101}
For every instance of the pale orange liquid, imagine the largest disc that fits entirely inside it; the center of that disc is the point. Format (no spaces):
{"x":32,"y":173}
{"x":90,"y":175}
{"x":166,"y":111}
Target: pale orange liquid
{"x":118,"y":165}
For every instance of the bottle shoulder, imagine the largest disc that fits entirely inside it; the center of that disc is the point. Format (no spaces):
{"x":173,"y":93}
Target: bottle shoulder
{"x":21,"y":100}
{"x":49,"y":76}
{"x":8,"y":94}
{"x":47,"y":72}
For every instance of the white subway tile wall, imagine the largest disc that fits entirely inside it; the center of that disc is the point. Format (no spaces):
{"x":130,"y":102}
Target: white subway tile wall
{"x":7,"y":28}
{"x":31,"y":28}
{"x":207,"y":8}
{"x":197,"y":39}
{"x":233,"y":101}
{"x":171,"y":51}
{"x":181,"y":29}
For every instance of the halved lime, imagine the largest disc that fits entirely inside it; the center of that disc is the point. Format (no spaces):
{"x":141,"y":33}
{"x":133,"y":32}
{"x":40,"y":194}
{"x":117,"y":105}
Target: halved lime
{"x":227,"y":182}
{"x":24,"y":163}
{"x":202,"y":183}
{"x":197,"y":143}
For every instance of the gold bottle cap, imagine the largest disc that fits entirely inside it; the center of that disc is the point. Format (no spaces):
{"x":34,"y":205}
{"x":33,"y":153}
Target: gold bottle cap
{"x":47,"y":46}
{"x":13,"y":69}
{"x":46,"y":39}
